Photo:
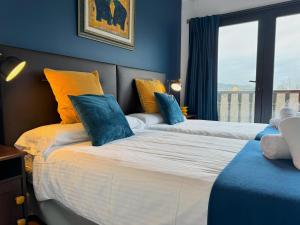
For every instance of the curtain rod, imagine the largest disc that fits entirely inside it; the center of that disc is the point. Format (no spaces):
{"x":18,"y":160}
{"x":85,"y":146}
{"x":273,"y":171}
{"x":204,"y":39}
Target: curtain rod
{"x":243,"y":12}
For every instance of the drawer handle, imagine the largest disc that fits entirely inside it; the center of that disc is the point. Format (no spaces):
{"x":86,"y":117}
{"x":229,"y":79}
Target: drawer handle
{"x":21,"y":222}
{"x":20,"y":200}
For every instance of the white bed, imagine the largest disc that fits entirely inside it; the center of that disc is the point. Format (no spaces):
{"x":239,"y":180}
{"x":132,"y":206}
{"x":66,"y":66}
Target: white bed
{"x":152,"y":178}
{"x":243,"y":131}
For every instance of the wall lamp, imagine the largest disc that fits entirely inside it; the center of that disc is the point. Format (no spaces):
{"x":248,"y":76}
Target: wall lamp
{"x":175,"y":85}
{"x":10,"y":67}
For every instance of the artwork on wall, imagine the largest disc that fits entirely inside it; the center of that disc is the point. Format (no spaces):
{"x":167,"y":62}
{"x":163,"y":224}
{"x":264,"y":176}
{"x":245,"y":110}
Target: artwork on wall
{"x":109,"y":21}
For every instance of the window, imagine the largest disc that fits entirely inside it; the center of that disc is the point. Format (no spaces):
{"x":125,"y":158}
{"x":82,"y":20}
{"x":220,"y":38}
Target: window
{"x":237,"y":71}
{"x":286,"y":84}
{"x":259,"y":62}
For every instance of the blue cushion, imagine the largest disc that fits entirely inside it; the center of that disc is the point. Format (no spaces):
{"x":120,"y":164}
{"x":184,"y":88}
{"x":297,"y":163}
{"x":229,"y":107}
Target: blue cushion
{"x":102,"y":118}
{"x":169,"y":108}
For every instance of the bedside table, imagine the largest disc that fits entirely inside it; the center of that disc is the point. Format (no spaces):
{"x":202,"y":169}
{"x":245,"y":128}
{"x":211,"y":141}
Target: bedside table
{"x":191,"y":117}
{"x":12,"y":186}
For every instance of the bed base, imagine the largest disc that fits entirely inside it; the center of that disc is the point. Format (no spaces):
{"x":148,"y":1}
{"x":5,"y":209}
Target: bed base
{"x":52,"y":212}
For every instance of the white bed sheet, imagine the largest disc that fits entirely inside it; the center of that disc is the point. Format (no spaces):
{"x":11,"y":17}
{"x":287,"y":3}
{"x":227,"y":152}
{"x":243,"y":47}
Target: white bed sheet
{"x":243,"y":131}
{"x":152,"y":178}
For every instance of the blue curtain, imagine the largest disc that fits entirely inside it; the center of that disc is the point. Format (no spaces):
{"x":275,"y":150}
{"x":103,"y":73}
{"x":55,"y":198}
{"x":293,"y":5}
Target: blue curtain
{"x":201,"y":84}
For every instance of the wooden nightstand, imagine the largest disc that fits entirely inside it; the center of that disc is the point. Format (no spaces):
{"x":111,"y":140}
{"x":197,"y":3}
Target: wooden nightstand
{"x":12,"y":186}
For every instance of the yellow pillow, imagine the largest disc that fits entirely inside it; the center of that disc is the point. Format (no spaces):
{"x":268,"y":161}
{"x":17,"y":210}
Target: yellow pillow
{"x":65,"y":83}
{"x":146,"y":89}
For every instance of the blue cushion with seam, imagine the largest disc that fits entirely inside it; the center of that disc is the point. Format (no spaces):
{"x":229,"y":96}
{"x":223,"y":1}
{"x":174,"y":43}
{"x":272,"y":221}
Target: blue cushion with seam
{"x":102,"y":118}
{"x":169,"y":108}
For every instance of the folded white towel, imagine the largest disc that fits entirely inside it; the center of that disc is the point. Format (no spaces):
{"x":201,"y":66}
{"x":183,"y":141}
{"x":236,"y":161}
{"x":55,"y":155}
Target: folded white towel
{"x":285,"y":112}
{"x":274,"y":146}
{"x":290,"y":129}
{"x":274,"y":122}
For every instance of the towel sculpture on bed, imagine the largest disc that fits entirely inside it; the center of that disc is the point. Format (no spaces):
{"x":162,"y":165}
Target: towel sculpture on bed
{"x":290,"y":129}
{"x":285,"y":112}
{"x":274,"y":146}
{"x":285,"y":145}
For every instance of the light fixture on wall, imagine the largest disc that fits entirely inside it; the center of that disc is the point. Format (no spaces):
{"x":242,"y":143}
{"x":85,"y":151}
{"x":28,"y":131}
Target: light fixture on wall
{"x":10,"y":67}
{"x":174,"y":85}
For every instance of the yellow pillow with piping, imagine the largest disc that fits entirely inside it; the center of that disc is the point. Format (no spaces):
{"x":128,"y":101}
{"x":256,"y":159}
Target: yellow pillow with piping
{"x":65,"y":83}
{"x":146,"y":90}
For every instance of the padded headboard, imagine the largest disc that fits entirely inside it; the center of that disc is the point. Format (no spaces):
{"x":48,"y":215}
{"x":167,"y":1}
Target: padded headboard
{"x":127,"y":93}
{"x":28,"y":102}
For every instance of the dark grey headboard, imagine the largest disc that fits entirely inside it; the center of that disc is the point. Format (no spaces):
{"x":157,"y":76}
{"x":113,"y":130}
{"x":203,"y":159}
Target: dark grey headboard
{"x":127,"y":93}
{"x":28,"y":102}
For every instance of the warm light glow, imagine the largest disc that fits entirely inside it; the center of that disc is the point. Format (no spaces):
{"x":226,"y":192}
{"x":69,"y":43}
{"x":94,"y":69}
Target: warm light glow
{"x":15,"y":72}
{"x":176,"y":87}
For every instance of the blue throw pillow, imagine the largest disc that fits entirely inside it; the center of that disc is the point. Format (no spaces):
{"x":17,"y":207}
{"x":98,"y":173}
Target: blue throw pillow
{"x":102,"y":118}
{"x":169,"y":108}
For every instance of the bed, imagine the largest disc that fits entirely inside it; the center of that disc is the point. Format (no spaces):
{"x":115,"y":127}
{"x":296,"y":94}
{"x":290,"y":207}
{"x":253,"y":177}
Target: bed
{"x":129,"y":101}
{"x":243,"y":131}
{"x":151,"y":178}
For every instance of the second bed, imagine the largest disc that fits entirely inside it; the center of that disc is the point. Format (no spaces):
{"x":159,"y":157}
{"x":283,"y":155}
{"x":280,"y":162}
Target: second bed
{"x":232,"y":130}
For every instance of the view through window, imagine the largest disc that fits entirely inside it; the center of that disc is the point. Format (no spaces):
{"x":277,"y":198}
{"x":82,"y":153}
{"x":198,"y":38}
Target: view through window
{"x":286,"y":86}
{"x":237,"y":72}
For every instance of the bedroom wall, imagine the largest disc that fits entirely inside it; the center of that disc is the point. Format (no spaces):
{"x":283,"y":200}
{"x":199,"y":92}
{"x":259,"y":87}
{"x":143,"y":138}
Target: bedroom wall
{"x":51,"y":26}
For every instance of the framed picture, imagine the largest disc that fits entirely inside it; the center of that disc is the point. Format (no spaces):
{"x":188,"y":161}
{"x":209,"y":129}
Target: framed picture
{"x":108,"y":21}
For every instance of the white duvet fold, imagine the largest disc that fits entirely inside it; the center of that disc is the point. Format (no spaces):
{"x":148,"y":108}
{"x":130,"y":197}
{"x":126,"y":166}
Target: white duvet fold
{"x":243,"y":131}
{"x":151,"y":178}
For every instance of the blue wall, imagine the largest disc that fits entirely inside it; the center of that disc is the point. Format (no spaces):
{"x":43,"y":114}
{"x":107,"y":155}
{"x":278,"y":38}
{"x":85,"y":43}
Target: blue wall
{"x":51,"y":26}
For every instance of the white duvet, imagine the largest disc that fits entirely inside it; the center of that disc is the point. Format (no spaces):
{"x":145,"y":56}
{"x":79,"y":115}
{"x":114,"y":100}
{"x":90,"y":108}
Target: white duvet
{"x":243,"y":131}
{"x":152,"y":178}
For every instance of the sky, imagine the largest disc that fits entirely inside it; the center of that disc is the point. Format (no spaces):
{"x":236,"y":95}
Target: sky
{"x":238,"y":53}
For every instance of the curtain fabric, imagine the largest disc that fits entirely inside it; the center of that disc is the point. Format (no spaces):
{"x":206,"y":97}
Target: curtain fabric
{"x":201,"y":85}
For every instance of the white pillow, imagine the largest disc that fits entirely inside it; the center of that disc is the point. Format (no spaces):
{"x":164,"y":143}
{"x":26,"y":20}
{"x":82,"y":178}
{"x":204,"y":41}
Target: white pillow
{"x":148,"y":119}
{"x":290,"y":129}
{"x":41,"y":139}
{"x":135,"y":123}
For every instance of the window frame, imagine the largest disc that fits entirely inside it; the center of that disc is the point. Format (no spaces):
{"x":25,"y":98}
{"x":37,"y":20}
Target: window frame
{"x":266,"y":17}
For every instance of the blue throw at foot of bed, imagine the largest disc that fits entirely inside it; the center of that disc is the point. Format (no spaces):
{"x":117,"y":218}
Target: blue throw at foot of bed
{"x":266,"y":131}
{"x":255,"y":191}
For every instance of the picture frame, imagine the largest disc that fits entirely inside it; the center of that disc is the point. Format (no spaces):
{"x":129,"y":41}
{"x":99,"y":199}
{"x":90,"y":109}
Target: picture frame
{"x":108,"y":21}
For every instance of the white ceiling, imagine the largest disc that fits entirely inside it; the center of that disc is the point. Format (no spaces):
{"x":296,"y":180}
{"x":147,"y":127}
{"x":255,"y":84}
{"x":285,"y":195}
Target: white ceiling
{"x":210,"y":7}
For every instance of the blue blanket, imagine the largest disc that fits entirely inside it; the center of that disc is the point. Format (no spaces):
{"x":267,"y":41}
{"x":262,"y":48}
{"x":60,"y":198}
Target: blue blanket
{"x":252,"y":190}
{"x":267,"y":130}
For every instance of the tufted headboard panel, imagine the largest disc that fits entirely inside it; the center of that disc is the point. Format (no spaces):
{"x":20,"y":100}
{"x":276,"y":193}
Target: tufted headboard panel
{"x":127,"y":93}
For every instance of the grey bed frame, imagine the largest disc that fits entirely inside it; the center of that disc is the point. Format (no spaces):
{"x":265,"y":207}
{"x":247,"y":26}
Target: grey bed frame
{"x":28,"y":102}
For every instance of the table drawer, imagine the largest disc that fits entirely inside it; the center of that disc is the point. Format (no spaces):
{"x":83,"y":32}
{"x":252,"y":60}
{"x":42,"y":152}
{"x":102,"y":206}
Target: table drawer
{"x":10,"y":168}
{"x":10,"y":209}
